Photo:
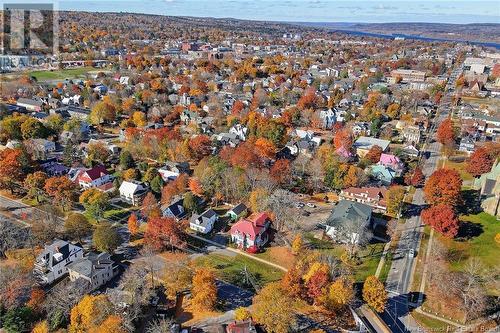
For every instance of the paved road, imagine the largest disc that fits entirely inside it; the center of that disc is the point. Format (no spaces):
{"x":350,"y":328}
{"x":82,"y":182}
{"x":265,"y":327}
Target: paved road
{"x":398,"y":280}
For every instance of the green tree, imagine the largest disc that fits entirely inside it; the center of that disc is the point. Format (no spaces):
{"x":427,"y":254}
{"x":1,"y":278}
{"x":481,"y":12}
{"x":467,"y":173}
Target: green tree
{"x":126,"y":160}
{"x":106,"y":237}
{"x":77,"y":226}
{"x":33,"y":129}
{"x":55,"y":123}
{"x":34,"y":183}
{"x":156,"y":184}
{"x":95,"y":202}
{"x":190,"y":203}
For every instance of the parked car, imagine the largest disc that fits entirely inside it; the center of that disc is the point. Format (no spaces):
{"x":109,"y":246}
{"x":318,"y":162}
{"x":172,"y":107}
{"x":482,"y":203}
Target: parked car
{"x":299,"y":205}
{"x":311,"y":205}
{"x":411,"y":253}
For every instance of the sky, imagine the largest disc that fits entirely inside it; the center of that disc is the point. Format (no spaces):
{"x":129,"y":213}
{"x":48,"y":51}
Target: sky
{"x":370,"y":11}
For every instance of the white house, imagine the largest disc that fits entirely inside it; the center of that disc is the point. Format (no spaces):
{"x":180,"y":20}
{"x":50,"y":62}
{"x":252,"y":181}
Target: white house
{"x":95,"y":177}
{"x":52,"y":263}
{"x":95,"y":268}
{"x":240,"y":131}
{"x":132,"y":192}
{"x":203,"y":223}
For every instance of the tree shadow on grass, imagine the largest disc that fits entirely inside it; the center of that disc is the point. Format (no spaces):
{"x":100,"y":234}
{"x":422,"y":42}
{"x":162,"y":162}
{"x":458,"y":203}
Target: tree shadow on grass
{"x":469,"y":230}
{"x":470,"y":203}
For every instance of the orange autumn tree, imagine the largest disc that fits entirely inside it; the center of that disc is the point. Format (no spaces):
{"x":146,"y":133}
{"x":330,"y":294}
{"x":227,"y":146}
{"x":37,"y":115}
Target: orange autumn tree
{"x":204,"y":290}
{"x":61,"y":189}
{"x":265,"y":148}
{"x":195,"y":186}
{"x":443,"y":187}
{"x":11,"y":168}
{"x":446,"y":134}
{"x":200,"y":146}
{"x":343,"y":139}
{"x":133,"y":224}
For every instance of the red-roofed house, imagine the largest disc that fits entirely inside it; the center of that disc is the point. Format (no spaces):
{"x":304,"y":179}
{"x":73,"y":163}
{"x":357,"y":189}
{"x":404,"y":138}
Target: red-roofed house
{"x":251,"y":233}
{"x":95,"y":177}
{"x":371,"y":196}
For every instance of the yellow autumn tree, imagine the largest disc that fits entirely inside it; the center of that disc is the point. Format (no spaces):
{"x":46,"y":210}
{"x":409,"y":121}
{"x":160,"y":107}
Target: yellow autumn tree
{"x":297,"y":244}
{"x":258,"y":199}
{"x":204,"y":290}
{"x":112,"y":324}
{"x":340,"y":293}
{"x":374,"y":293}
{"x":89,"y":313}
{"x":273,"y":308}
{"x":242,"y":313}
{"x":41,"y":327}
{"x":313,"y":269}
{"x":139,"y":119}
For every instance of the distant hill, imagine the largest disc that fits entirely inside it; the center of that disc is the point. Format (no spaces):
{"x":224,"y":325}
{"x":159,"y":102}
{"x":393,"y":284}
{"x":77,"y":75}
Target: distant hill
{"x":477,"y":32}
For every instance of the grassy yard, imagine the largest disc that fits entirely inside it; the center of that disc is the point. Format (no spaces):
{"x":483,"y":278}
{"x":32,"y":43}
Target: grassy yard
{"x":61,"y":74}
{"x":369,"y":258}
{"x":433,"y":325}
{"x":459,"y":166}
{"x":482,"y":244}
{"x":280,"y":255}
{"x":231,"y":269}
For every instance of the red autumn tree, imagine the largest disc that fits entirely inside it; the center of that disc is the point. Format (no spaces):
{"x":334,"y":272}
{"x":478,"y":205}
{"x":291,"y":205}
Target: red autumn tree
{"x":237,"y":108}
{"x":133,"y":224}
{"x":443,"y":187}
{"x":281,"y":171}
{"x":479,"y":162}
{"x":200,"y":146}
{"x":343,"y":139}
{"x":149,"y":206}
{"x":36,"y":299}
{"x":415,"y":178}
{"x":61,"y":189}
{"x":162,"y":232}
{"x":316,"y":285}
{"x":443,"y":219}
{"x":373,"y":154}
{"x":445,"y":133}
{"x":245,"y":156}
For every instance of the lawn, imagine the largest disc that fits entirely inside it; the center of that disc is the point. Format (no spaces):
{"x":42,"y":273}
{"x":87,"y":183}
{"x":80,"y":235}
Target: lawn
{"x":459,"y":166}
{"x":433,"y":325}
{"x":61,"y":74}
{"x":481,"y":246}
{"x":232,"y":269}
{"x":280,"y":255}
{"x":370,"y":257}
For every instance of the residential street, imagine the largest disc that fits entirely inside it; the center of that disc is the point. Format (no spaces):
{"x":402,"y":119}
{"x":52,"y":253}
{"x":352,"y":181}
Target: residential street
{"x":397,"y":315}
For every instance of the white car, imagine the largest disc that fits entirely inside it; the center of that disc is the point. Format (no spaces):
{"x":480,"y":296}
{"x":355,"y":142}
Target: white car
{"x":311,"y":205}
{"x":411,"y":253}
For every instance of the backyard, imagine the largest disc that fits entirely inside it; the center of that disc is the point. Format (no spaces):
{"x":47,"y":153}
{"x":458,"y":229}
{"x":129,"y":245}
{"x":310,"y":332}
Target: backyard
{"x":240,"y":270}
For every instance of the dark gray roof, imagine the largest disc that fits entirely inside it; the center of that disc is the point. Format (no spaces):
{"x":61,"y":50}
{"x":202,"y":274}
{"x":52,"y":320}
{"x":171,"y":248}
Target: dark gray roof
{"x":238,"y":209}
{"x":349,"y":212}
